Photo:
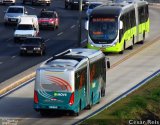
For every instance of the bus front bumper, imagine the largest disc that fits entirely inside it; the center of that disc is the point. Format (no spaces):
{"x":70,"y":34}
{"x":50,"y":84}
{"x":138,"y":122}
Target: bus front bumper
{"x":112,"y":49}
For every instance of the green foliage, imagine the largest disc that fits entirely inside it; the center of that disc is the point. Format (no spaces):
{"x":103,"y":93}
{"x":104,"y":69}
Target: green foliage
{"x":135,"y":106}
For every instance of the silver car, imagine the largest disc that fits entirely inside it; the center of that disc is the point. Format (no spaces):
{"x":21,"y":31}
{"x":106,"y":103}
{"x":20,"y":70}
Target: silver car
{"x":13,"y":13}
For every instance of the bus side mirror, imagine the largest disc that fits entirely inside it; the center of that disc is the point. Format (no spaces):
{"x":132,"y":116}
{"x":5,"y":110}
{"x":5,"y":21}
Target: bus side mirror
{"x":108,"y":63}
{"x":121,"y":25}
{"x":86,"y":25}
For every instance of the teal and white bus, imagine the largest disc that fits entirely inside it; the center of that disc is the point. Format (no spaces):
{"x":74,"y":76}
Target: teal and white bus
{"x":70,"y":81}
{"x":117,"y":26}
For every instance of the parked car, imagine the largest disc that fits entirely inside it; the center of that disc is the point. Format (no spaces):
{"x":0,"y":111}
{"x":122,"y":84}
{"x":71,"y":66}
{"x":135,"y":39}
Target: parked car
{"x":8,"y":2}
{"x":75,"y":4}
{"x":91,"y":6}
{"x":48,"y":18}
{"x":13,"y":14}
{"x":27,"y":27}
{"x":33,"y":45}
{"x":47,"y":2}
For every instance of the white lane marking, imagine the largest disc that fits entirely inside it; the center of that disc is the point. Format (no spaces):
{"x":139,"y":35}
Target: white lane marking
{"x":73,"y":26}
{"x":47,"y":40}
{"x":13,"y":57}
{"x":59,"y":33}
{"x":1,"y":63}
{"x":9,"y":39}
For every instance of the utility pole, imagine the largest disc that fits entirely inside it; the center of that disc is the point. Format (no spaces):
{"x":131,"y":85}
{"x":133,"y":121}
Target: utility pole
{"x":80,"y":23}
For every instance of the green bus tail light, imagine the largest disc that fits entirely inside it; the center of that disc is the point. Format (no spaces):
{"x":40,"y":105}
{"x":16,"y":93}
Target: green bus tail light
{"x":35,"y":97}
{"x":71,"y":101}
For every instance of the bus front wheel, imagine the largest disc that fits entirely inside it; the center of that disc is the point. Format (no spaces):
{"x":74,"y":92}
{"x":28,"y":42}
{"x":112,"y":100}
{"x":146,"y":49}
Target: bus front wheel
{"x":124,"y":47}
{"x":141,"y":42}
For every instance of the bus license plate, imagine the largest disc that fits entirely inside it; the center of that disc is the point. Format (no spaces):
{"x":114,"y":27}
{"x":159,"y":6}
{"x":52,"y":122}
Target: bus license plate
{"x":53,"y":107}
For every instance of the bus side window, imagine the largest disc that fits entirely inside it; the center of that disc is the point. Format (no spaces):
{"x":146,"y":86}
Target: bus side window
{"x":80,"y":78}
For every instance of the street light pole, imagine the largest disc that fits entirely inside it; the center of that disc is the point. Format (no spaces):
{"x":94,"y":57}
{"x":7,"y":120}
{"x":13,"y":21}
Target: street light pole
{"x":79,"y":23}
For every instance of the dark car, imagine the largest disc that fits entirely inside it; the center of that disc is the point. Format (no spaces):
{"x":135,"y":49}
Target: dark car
{"x":48,"y":18}
{"x":75,"y":4}
{"x":33,"y":45}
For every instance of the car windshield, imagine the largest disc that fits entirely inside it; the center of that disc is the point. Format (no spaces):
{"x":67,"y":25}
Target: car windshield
{"x":103,"y":30}
{"x":31,"y":41}
{"x":15,"y":10}
{"x":47,"y":15}
{"x":24,"y":27}
{"x":92,"y":6}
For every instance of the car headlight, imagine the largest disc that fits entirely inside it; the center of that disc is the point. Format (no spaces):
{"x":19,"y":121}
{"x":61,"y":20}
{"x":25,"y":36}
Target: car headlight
{"x":23,"y":48}
{"x":37,"y":48}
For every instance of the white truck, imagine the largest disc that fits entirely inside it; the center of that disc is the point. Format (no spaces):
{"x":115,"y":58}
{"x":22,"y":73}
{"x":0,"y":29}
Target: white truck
{"x":27,"y":27}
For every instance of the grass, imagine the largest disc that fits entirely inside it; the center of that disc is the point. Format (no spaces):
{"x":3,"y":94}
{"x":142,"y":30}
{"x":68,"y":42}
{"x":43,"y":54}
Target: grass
{"x":142,"y":104}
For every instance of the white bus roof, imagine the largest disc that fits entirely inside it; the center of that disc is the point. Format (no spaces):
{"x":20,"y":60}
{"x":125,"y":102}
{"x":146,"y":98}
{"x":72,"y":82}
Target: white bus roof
{"x":71,"y":58}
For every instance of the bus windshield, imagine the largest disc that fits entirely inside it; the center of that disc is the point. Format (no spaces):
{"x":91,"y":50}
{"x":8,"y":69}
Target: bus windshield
{"x":103,"y":30}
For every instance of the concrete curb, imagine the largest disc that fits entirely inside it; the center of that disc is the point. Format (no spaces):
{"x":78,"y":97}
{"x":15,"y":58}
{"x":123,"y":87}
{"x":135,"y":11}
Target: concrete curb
{"x":18,"y":80}
{"x":17,"y":83}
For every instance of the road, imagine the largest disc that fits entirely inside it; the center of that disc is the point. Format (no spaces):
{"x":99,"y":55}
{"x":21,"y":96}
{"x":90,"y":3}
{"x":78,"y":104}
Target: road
{"x":127,"y":71}
{"x":59,"y":40}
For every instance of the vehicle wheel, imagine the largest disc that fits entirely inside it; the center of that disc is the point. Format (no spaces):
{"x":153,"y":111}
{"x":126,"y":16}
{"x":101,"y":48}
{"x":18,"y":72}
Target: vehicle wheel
{"x":99,"y":98}
{"x":24,"y":2}
{"x":54,"y":27}
{"x":91,"y":103}
{"x":44,"y":52}
{"x":41,"y":53}
{"x":43,"y":112}
{"x":79,"y":108}
{"x":66,"y":6}
{"x":5,"y":23}
{"x":57,"y":27}
{"x":131,"y":47}
{"x":124,"y":47}
{"x":21,"y":54}
{"x":103,"y":91}
{"x":33,"y":3}
{"x":141,"y":42}
{"x":15,"y":40}
{"x":72,"y":7}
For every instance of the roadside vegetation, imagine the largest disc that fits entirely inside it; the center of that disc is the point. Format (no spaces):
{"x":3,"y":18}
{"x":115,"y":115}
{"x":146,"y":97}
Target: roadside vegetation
{"x":143,"y":104}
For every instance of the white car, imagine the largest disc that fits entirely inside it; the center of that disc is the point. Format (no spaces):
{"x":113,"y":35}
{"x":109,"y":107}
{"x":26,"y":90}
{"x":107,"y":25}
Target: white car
{"x":27,"y":27}
{"x":91,"y":6}
{"x":8,"y":1}
{"x":13,"y":14}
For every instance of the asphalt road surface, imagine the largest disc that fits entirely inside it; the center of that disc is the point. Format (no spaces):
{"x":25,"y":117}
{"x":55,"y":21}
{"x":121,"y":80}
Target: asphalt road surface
{"x":11,"y":63}
{"x":127,"y":71}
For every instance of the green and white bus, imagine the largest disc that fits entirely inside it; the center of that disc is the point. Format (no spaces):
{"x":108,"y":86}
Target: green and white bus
{"x":117,"y":26}
{"x":70,"y":81}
